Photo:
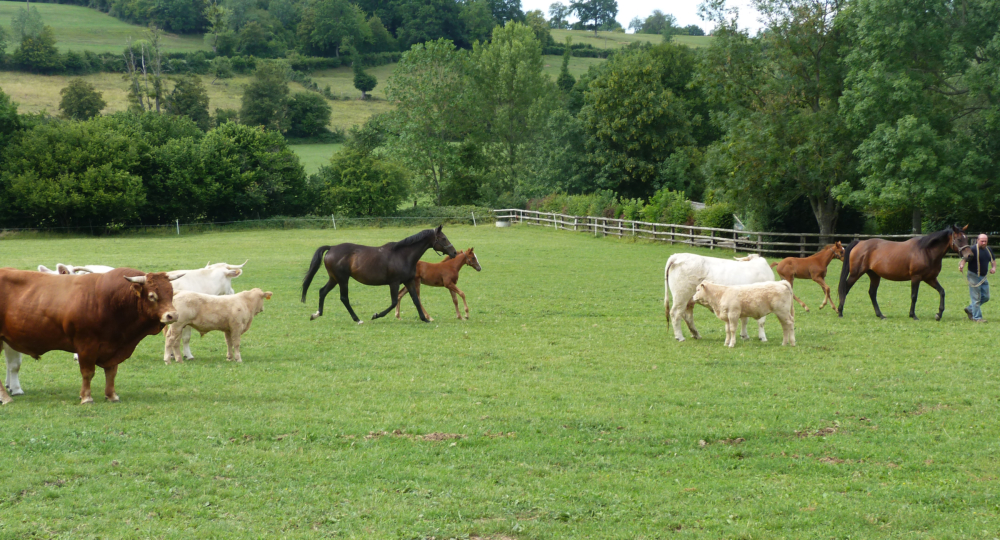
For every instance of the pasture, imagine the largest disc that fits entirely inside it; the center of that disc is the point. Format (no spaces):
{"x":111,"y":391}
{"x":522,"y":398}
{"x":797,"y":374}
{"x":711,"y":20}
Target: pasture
{"x":313,"y":156}
{"x":614,"y":40}
{"x":562,"y":409}
{"x":80,"y":28}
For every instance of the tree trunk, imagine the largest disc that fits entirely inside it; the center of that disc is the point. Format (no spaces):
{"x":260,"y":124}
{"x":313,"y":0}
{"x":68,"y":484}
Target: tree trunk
{"x":826,"y":211}
{"x":917,"y":218}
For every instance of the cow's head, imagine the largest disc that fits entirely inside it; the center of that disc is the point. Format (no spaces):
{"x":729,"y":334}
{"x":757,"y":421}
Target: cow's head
{"x":156,"y":295}
{"x":701,"y":294}
{"x":258,"y":299}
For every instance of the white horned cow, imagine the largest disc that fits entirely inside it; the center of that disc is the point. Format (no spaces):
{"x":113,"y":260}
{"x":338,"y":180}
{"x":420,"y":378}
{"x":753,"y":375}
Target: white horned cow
{"x":231,"y":314}
{"x":69,"y":269}
{"x":683,"y":273}
{"x":757,"y":300}
{"x":214,"y":280}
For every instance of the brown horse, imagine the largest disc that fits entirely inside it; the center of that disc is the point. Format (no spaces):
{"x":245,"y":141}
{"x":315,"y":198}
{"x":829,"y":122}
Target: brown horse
{"x":391,"y":264}
{"x":917,"y":259}
{"x":443,"y":274}
{"x":812,"y":267}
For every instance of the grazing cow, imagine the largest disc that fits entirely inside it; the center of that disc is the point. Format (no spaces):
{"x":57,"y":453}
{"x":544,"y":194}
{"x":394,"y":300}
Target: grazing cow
{"x":215,"y":279}
{"x":757,"y":300}
{"x":101,"y":317}
{"x":13,"y":382}
{"x":231,"y":314}
{"x":67,"y":269}
{"x":683,"y":273}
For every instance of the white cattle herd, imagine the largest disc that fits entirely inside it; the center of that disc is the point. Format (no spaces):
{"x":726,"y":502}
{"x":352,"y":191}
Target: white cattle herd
{"x":228,"y":312}
{"x":734,"y":290}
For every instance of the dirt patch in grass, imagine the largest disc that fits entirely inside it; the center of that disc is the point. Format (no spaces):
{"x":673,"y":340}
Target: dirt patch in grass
{"x":822,"y":432}
{"x":436,"y":436}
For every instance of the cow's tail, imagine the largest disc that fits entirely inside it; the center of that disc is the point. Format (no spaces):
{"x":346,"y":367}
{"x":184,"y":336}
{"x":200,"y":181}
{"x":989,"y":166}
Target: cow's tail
{"x":317,"y":260}
{"x":666,"y":289}
{"x":845,"y":271}
{"x":775,"y":263}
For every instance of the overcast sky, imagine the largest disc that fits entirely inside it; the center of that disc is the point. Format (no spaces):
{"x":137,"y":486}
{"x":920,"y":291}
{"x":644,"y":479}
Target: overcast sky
{"x":686,"y":11}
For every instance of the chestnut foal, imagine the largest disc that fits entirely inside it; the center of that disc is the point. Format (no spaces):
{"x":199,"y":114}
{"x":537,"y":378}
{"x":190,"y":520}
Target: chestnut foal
{"x":812,"y":267}
{"x":443,"y":274}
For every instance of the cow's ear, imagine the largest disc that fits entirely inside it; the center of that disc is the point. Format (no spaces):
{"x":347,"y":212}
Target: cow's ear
{"x":137,"y":290}
{"x":233,"y":273}
{"x":268,"y":295}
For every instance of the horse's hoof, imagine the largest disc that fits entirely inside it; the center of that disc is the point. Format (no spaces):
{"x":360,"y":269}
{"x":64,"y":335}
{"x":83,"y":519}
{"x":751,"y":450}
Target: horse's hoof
{"x":113,"y":399}
{"x":375,"y":316}
{"x":807,"y":309}
{"x":937,"y":317}
{"x":314,"y":316}
{"x":87,"y":401}
{"x":361,"y":322}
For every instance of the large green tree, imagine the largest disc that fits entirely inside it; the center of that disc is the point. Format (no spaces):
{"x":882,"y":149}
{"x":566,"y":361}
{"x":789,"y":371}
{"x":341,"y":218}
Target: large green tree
{"x":430,"y":88}
{"x":80,"y":100}
{"x":784,"y":138}
{"x":512,"y":99}
{"x":265,"y":98}
{"x":359,"y":184}
{"x":327,"y":24}
{"x":190,"y":98}
{"x":38,"y":53}
{"x":638,"y":109}
{"x":924,"y":76}
{"x":595,"y":13}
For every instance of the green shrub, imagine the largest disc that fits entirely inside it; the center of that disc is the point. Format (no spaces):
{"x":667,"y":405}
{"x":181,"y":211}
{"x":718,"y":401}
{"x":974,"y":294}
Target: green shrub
{"x":308,"y":114}
{"x":667,"y":206}
{"x":718,"y":216}
{"x":357,"y":184}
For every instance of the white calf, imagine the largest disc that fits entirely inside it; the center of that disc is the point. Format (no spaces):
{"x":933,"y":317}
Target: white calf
{"x":730,"y":304}
{"x":683,"y":273}
{"x":67,"y":269}
{"x":231,"y":314}
{"x":215,"y":279}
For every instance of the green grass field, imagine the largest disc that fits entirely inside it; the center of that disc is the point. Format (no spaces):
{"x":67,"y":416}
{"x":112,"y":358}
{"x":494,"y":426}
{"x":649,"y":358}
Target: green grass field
{"x":562,"y":409}
{"x":80,"y":28}
{"x":312,"y":156}
{"x":614,"y":40}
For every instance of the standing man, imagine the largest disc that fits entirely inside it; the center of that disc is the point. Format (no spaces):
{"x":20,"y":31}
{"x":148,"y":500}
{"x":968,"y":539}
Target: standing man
{"x":979,"y":288}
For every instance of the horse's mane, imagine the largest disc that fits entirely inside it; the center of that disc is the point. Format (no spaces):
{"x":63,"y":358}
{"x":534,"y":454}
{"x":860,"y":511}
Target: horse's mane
{"x":933,"y":238}
{"x":410,"y":240}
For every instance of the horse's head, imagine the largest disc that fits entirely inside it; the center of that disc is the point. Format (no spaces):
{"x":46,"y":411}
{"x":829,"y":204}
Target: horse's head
{"x":838,"y":250}
{"x":960,"y":242}
{"x":441,"y":243}
{"x":472,"y":260}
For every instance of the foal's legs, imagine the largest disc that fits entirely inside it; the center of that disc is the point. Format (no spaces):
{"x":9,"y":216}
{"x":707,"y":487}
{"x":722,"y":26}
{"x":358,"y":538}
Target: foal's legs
{"x":826,"y":292}
{"x":322,"y":297}
{"x":454,"y":289}
{"x":873,"y":293}
{"x":791,"y":280}
{"x":933,"y":282}
{"x":402,"y":293}
{"x":428,"y":315}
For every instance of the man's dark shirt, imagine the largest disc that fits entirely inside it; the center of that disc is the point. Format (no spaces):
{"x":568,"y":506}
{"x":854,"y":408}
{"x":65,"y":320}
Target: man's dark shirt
{"x":983,"y":265}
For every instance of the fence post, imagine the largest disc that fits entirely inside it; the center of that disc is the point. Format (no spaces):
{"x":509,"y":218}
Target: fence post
{"x":672,"y":230}
{"x":759,"y":244}
{"x":633,"y":228}
{"x":802,"y":246}
{"x":334,"y":220}
{"x":595,"y":227}
{"x":711,"y":240}
{"x":178,"y":227}
{"x":474,"y":219}
{"x":574,"y":223}
{"x":734,"y":242}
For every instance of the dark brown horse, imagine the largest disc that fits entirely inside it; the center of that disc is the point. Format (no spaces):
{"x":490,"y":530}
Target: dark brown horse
{"x":915,"y":260}
{"x":392,"y":264}
{"x":444,"y":274}
{"x":812,"y":267}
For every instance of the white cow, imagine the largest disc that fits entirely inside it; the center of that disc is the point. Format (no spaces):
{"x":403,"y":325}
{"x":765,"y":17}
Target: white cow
{"x":231,"y":314}
{"x":67,"y":269}
{"x":215,"y":279}
{"x":683,"y":273}
{"x":757,"y":300}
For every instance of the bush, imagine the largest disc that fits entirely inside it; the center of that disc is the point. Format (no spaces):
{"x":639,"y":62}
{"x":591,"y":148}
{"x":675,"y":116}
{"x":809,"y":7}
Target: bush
{"x":718,"y":216}
{"x":667,"y":206}
{"x":308,"y":115}
{"x":80,"y":100}
{"x":357,"y":184}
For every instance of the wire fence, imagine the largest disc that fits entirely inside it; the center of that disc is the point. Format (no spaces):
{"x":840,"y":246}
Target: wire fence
{"x":277,"y":223}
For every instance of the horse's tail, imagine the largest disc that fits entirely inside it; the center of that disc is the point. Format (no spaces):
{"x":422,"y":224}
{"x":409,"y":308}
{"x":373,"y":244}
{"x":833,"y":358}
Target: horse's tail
{"x":666,"y":289}
{"x":845,"y":271}
{"x":317,"y":260}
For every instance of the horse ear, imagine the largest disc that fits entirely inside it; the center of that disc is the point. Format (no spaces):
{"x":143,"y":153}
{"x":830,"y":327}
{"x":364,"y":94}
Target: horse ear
{"x":438,"y":229}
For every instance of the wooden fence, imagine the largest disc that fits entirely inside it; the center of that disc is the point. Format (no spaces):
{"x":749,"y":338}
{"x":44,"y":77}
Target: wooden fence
{"x":764,"y":243}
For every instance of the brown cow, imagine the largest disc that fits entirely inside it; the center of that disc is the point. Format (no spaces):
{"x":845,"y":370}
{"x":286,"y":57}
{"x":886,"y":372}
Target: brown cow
{"x":101,"y":317}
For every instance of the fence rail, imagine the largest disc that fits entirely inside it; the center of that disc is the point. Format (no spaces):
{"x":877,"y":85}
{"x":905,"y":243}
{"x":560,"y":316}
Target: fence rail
{"x":763,"y":243}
